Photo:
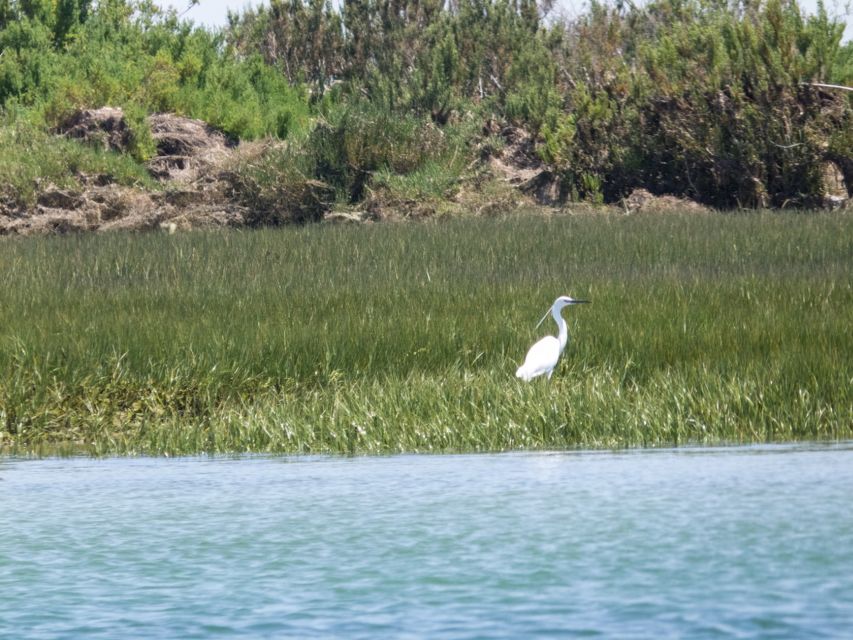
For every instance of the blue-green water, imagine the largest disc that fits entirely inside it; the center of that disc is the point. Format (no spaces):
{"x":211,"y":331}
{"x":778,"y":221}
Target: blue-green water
{"x":740,"y":542}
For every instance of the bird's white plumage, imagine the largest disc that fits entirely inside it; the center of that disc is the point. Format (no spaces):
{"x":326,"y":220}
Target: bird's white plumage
{"x":544,"y":355}
{"x":542,"y":358}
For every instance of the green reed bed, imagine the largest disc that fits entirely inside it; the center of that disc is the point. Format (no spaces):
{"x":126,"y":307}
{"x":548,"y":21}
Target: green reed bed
{"x":405,"y":337}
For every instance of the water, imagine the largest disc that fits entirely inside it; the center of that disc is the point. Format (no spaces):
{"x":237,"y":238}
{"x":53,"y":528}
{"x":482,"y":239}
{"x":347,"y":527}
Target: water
{"x":701,"y":543}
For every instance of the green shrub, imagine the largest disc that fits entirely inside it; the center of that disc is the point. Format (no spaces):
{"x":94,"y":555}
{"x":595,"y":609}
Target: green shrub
{"x":361,"y":139}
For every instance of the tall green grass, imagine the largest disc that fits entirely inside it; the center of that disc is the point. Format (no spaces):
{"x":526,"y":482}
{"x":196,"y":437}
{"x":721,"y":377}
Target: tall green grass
{"x":704,"y":328}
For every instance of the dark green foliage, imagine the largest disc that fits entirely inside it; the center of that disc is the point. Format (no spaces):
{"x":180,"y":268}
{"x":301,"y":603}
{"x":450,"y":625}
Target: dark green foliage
{"x":697,"y":99}
{"x":336,"y":163}
{"x":842,"y":70}
{"x":434,"y":89}
{"x":736,"y":123}
{"x":302,"y":40}
{"x":27,"y":58}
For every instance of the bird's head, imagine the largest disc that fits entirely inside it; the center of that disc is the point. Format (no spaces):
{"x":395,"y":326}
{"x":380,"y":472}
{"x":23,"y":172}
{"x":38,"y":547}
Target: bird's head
{"x":564,"y":301}
{"x":559,"y":303}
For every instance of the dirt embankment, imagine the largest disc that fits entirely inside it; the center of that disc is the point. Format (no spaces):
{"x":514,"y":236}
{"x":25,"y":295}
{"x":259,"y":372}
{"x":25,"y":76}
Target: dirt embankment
{"x":193,"y":164}
{"x":188,"y":162}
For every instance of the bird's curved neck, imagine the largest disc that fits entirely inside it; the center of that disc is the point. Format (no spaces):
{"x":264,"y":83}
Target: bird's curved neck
{"x":563,"y":335}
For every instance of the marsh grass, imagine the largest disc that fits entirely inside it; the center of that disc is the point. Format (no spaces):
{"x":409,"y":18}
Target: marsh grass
{"x":405,"y":337}
{"x":433,"y":181}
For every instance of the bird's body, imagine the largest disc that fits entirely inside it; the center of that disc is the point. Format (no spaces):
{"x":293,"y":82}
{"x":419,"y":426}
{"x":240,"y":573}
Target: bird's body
{"x":544,"y":355}
{"x":542,"y":358}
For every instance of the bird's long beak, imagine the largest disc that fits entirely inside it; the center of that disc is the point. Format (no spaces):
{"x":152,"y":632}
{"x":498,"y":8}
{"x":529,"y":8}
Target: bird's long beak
{"x":580,"y":301}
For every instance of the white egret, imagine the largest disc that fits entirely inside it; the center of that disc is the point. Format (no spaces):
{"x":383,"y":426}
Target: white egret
{"x":543,"y":356}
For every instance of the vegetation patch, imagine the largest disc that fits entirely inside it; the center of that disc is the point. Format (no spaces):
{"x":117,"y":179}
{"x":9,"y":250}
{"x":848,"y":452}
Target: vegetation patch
{"x":116,"y":115}
{"x":393,"y":111}
{"x":389,"y":338}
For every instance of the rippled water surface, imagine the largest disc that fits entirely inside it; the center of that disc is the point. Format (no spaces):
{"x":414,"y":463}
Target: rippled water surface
{"x":741,"y":542}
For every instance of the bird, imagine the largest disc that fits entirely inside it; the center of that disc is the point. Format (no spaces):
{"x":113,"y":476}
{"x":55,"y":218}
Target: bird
{"x":543,"y":356}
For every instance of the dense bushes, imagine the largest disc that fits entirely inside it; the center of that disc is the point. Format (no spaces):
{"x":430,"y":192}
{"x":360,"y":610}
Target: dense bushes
{"x":693,"y":97}
{"x":276,"y":186}
{"x":124,"y":54}
{"x":702,"y":98}
{"x":718,"y":109}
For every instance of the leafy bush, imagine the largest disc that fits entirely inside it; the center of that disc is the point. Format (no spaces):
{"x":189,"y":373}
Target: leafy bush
{"x":358,"y":140}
